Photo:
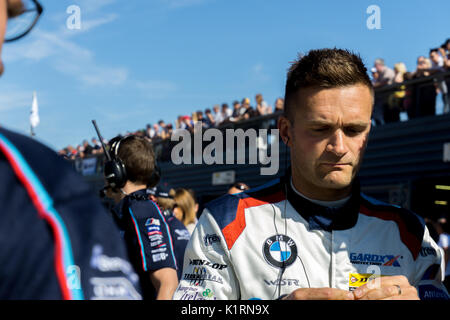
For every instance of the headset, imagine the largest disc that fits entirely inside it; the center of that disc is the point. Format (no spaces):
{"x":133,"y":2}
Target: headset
{"x":114,"y":169}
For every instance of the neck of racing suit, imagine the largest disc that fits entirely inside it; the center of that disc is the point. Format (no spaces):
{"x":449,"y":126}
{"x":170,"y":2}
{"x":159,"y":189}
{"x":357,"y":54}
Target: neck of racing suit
{"x":322,"y":217}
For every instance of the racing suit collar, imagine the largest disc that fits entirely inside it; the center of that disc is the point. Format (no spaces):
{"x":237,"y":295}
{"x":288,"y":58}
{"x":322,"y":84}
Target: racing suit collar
{"x":326,"y":218}
{"x":123,"y":204}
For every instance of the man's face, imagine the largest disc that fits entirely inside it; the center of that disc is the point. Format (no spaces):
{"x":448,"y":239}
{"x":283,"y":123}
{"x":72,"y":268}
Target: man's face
{"x":327,"y":138}
{"x":434,"y":56}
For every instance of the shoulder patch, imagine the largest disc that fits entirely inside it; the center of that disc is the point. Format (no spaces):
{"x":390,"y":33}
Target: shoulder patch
{"x":229,"y":210}
{"x":410,"y":225}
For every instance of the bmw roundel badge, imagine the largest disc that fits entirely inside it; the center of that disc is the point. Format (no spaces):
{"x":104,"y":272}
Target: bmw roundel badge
{"x":280,"y":251}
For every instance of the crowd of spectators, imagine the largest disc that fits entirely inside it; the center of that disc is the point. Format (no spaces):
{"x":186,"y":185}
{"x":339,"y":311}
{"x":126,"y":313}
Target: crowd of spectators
{"x":160,"y":131}
{"x":414,"y":100}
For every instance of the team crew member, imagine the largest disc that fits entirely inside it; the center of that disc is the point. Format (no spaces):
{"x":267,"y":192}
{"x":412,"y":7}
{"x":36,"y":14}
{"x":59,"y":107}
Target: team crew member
{"x":144,"y":226}
{"x":56,"y":239}
{"x":313,"y":234}
{"x":162,"y":196}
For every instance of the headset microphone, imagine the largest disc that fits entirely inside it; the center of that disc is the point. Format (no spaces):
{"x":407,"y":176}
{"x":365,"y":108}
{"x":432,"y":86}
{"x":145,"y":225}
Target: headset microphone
{"x":108,"y":156}
{"x":114,"y":169}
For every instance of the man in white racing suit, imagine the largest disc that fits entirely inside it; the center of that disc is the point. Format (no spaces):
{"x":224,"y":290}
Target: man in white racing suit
{"x":312,"y":234}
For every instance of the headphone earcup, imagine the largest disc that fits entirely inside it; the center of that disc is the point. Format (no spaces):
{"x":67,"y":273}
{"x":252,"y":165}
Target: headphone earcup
{"x":115,"y":173}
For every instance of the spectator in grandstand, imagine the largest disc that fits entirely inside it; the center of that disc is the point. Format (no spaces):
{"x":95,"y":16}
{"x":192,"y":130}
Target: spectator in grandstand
{"x":374,"y":74}
{"x":162,"y":195}
{"x":80,"y":153}
{"x":97,"y":146}
{"x":55,"y":234}
{"x":218,"y":116}
{"x":144,"y":228}
{"x":437,"y":61}
{"x":148,"y":130}
{"x":226,"y":112}
{"x":438,"y":65}
{"x":187,"y":123}
{"x":279,"y":105}
{"x":200,"y":118}
{"x":184,"y":209}
{"x":88,"y":150}
{"x":385,"y":74}
{"x":249,"y":112}
{"x":425,"y":104}
{"x":262,"y":108}
{"x":238,"y":187}
{"x":209,"y":118}
{"x":236,"y":110}
{"x":445,"y":53}
{"x":395,"y":99}
{"x":380,"y":99}
{"x":163,"y":130}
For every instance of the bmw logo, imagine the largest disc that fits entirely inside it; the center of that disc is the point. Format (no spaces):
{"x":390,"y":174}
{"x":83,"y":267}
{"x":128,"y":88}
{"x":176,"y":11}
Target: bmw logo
{"x":280,"y":251}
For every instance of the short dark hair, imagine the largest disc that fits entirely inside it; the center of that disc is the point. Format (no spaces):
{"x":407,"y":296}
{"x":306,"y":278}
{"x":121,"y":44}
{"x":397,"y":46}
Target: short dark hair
{"x":324,"y":68}
{"x":434,"y":50}
{"x":138,"y":157}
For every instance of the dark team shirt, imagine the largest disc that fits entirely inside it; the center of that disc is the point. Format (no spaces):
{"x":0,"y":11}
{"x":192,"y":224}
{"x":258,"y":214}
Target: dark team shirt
{"x":180,"y":237}
{"x":148,"y":237}
{"x":56,"y":239}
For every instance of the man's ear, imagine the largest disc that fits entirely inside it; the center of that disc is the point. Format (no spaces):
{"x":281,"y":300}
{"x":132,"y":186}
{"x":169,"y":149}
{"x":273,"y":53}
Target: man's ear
{"x":284,"y":127}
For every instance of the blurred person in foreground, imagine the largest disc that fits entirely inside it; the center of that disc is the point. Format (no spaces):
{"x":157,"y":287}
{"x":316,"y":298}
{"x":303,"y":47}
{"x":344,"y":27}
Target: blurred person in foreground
{"x":162,"y":195}
{"x":184,"y":209}
{"x":56,"y":239}
{"x":312,"y":234}
{"x":145,"y":229}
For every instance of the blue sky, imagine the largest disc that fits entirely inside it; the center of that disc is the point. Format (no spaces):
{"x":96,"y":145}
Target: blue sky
{"x":134,"y":62}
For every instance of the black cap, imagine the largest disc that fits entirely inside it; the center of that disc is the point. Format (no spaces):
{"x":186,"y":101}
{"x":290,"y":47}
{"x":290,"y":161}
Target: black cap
{"x":162,"y":190}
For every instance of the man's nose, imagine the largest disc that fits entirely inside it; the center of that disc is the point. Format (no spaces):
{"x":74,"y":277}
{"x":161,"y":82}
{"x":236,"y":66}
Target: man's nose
{"x":336,"y":143}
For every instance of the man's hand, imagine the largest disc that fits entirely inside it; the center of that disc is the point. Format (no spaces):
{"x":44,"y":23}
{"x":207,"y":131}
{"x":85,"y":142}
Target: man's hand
{"x":387,"y":288}
{"x":320,"y":294}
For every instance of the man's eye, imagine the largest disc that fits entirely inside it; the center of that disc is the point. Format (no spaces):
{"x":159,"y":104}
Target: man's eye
{"x":353,"y":130}
{"x":321,"y":129}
